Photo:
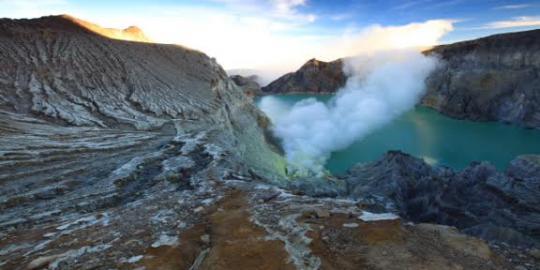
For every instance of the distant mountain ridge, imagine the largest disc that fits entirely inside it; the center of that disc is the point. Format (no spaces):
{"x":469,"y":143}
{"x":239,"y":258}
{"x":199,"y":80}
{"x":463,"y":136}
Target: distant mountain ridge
{"x":131,"y":33}
{"x":314,"y":76}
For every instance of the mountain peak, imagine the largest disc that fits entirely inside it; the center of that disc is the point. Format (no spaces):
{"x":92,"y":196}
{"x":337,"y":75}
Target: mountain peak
{"x":133,"y":29}
{"x":131,"y":33}
{"x":313,"y":61}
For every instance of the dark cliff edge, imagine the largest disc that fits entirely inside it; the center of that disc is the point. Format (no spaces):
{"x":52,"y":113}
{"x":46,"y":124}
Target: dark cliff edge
{"x":314,"y":76}
{"x":496,"y":78}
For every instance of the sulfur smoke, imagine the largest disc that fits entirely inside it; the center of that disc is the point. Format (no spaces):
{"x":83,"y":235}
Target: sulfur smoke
{"x":379,"y":88}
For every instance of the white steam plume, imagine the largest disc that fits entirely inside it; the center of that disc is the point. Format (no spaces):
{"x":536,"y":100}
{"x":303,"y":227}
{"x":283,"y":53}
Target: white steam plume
{"x":380,"y":87}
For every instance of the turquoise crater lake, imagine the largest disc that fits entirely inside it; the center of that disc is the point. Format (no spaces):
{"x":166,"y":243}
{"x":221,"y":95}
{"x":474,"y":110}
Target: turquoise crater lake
{"x":438,"y":139}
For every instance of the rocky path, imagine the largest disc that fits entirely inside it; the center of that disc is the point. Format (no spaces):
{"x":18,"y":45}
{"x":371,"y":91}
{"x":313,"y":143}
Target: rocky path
{"x":233,"y":235}
{"x":225,"y":239}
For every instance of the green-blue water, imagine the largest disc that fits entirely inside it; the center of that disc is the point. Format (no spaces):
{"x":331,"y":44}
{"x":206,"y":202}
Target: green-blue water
{"x":437,"y":139}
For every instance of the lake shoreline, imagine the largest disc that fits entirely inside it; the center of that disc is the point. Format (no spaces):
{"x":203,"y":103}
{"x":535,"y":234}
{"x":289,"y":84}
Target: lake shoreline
{"x":438,"y":139}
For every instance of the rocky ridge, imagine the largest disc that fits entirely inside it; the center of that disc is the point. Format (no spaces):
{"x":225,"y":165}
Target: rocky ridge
{"x":314,"y":76}
{"x":131,"y":33}
{"x":133,"y":155}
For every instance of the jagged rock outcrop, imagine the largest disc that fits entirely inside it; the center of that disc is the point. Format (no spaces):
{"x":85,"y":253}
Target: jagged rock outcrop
{"x":314,"y":76}
{"x":478,"y":200}
{"x":492,"y":78}
{"x":248,"y":84}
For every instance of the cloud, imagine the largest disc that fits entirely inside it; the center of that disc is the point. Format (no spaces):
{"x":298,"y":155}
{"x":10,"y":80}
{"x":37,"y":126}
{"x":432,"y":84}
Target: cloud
{"x":274,"y":37}
{"x":31,"y":8}
{"x":287,"y":6}
{"x":516,"y":6}
{"x":341,"y":16}
{"x":282,"y":54}
{"x":381,"y":38}
{"x":266,"y":45}
{"x":235,"y":40}
{"x":523,"y":21}
{"x":281,"y":9}
{"x":411,"y":4}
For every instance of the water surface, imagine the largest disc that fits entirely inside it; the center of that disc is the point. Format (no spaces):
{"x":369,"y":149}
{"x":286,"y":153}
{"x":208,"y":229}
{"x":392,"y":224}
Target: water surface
{"x":437,"y":139}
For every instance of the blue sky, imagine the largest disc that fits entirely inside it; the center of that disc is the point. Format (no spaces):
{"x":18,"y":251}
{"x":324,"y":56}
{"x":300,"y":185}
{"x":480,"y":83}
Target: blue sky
{"x":473,"y":18}
{"x":280,"y":35}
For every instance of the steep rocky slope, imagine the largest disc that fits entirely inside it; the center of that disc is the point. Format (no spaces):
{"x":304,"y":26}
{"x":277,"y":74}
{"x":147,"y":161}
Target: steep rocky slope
{"x":125,"y":155}
{"x":492,"y":78}
{"x":313,"y":77}
{"x":60,"y":72}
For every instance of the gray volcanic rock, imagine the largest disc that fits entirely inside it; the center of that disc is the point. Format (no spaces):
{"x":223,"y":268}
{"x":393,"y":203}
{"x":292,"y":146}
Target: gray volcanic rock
{"x":249,"y":84}
{"x":313,"y":77}
{"x":478,"y":200}
{"x":492,"y":78}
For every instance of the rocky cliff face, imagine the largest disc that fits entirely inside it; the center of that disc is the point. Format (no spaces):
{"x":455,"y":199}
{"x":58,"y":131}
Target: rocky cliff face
{"x":313,"y":77}
{"x":117,"y":154}
{"x":492,"y":78}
